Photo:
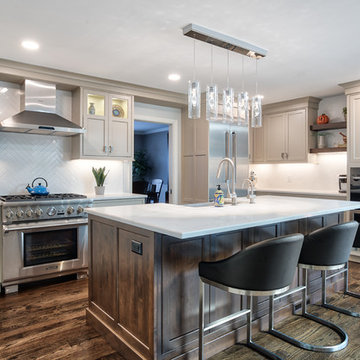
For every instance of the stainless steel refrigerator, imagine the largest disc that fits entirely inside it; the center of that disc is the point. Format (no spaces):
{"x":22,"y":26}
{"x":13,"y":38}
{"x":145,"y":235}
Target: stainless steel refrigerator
{"x":228,"y":141}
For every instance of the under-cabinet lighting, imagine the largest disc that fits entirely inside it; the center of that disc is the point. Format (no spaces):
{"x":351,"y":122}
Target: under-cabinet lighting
{"x":3,"y":90}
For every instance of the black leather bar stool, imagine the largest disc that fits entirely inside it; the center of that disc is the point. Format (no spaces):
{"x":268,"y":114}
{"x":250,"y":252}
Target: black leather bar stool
{"x":324,"y":249}
{"x":263,"y":269}
{"x":342,"y":265}
{"x":346,"y":275}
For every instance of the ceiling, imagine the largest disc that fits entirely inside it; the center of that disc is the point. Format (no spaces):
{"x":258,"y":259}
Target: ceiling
{"x":313,"y":45}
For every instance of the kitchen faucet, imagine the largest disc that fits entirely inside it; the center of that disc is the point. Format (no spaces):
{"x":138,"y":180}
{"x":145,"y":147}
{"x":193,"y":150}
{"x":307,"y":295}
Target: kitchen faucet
{"x":250,"y":195}
{"x":233,"y":193}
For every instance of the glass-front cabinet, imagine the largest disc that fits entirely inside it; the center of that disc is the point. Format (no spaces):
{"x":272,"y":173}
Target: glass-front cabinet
{"x":107,"y":118}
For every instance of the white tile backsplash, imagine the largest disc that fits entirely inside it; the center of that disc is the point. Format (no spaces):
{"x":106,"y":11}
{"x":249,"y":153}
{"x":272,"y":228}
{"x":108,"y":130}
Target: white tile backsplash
{"x":24,"y":157}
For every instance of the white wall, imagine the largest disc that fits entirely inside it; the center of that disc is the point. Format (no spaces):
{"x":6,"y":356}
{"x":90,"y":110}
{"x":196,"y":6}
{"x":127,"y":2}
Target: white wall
{"x":24,"y":157}
{"x":320,"y":175}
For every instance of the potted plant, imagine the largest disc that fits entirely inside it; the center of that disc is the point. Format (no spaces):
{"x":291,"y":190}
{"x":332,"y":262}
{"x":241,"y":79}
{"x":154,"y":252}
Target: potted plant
{"x":344,"y":112}
{"x":140,"y":168}
{"x":100,"y":177}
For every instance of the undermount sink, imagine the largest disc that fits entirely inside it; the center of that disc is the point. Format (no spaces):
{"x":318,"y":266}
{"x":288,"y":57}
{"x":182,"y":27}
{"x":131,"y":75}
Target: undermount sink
{"x":227,"y":202}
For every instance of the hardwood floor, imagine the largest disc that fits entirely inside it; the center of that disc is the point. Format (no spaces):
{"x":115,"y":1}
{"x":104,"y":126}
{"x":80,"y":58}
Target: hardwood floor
{"x":48,"y":322}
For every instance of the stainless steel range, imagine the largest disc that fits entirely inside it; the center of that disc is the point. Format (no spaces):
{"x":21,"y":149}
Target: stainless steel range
{"x":42,"y":237}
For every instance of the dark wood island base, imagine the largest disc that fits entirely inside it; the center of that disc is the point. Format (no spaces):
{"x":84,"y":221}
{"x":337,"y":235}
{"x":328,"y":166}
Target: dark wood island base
{"x":144,"y":287}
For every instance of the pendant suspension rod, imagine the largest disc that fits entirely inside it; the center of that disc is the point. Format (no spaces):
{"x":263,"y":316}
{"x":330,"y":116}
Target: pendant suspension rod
{"x":242,"y":74}
{"x":212,"y":65}
{"x":228,"y":61}
{"x":194,"y":62}
{"x":256,"y":83}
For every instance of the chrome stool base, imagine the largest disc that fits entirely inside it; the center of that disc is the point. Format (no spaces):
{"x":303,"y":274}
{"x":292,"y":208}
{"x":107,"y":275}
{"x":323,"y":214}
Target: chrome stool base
{"x":248,"y":312}
{"x":325,"y":305}
{"x":262,"y":351}
{"x":318,"y":348}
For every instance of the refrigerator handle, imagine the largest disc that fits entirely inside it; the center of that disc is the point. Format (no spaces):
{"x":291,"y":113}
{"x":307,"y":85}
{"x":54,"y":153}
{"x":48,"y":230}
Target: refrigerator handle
{"x":234,"y":150}
{"x":227,"y":154}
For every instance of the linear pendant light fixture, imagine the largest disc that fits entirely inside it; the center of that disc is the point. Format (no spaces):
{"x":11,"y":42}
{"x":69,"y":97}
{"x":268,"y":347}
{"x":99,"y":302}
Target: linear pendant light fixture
{"x":231,"y":44}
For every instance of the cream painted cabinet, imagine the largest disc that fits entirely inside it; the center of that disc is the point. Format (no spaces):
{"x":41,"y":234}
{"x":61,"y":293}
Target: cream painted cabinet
{"x":353,"y":102}
{"x":108,"y":120}
{"x":195,"y":149}
{"x":285,"y":135}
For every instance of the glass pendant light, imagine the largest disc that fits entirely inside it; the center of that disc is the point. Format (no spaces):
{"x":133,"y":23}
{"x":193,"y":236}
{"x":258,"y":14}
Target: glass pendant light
{"x":256,"y":106}
{"x":243,"y":102}
{"x":228,"y":99}
{"x":212,"y":96}
{"x":194,"y":95}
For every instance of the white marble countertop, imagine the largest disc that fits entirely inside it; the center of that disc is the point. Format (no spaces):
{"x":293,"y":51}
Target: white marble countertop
{"x":117,"y":196}
{"x":183,"y":222}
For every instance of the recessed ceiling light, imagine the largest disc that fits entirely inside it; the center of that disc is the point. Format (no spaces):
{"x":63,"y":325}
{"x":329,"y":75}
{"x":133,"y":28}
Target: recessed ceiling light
{"x":174,"y":77}
{"x":30,"y":45}
{"x":3,"y":90}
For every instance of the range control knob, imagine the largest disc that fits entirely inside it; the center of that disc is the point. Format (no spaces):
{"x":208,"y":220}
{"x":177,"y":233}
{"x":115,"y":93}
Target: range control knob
{"x":80,"y":209}
{"x":29,"y":213}
{"x":9,"y":214}
{"x":70,"y":210}
{"x":51,"y":211}
{"x":19,"y":213}
{"x":38,"y":212}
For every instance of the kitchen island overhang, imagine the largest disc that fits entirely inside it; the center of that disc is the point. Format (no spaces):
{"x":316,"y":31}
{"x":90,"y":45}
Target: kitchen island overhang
{"x":143,"y":271}
{"x":186,"y":221}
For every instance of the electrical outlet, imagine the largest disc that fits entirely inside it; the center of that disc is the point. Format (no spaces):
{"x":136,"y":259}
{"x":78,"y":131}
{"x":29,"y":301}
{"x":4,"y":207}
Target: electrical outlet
{"x":136,"y":247}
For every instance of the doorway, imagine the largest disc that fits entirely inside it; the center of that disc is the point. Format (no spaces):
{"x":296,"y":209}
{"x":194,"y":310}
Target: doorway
{"x":151,"y":165}
{"x":171,"y":117}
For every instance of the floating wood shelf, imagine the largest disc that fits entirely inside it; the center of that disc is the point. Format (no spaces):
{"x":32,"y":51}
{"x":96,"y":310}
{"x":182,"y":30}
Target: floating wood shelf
{"x":323,"y":150}
{"x":328,"y":126}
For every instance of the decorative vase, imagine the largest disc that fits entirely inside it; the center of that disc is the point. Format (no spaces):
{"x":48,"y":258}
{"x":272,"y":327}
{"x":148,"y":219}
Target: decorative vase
{"x":92,"y":109}
{"x":99,"y":190}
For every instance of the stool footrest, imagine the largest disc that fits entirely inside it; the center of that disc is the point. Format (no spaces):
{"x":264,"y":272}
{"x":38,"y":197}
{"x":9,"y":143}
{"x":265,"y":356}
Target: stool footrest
{"x":341,"y":310}
{"x":318,"y":348}
{"x":226,"y":319}
{"x":263,"y":351}
{"x":290,"y":292}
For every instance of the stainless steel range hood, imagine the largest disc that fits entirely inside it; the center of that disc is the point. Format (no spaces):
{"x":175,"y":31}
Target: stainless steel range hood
{"x":39,"y":115}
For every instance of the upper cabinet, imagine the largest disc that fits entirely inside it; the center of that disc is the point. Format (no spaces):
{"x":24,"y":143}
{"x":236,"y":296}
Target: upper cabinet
{"x":108,"y":120}
{"x":285,"y":135}
{"x":352,"y":92}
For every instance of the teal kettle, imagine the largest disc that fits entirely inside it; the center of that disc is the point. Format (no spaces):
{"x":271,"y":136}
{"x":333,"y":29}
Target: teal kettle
{"x":39,"y":189}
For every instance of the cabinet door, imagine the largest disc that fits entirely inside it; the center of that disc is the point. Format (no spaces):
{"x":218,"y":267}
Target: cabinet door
{"x":296,"y":136}
{"x":275,"y":134}
{"x":95,"y":138}
{"x":257,"y":148}
{"x":201,"y":179}
{"x":120,"y":127}
{"x":354,"y":128}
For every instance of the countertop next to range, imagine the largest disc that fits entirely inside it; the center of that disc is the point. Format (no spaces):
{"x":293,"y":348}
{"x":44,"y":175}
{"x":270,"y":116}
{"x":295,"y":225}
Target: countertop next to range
{"x":117,"y":196}
{"x":182,"y":221}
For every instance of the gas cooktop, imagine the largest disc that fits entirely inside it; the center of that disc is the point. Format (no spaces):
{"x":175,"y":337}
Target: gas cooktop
{"x":28,"y":197}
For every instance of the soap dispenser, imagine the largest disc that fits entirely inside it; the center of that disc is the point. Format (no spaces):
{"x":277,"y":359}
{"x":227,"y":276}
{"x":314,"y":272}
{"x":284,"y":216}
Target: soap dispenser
{"x":219,"y":197}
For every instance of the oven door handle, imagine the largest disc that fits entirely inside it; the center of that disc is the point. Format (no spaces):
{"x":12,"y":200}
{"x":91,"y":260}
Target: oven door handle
{"x":44,"y":225}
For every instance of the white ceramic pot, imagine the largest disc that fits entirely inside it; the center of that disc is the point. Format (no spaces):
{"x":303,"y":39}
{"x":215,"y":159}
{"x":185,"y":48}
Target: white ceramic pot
{"x":99,"y":190}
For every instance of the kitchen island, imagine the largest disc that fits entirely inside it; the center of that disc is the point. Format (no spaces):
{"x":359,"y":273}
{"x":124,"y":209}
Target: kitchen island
{"x":143,"y":280}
